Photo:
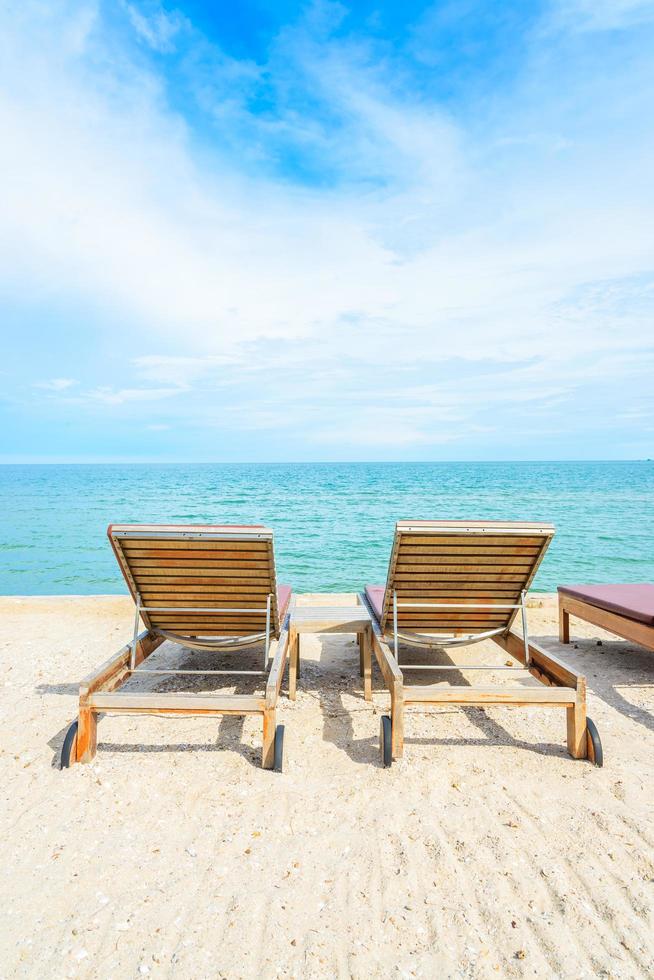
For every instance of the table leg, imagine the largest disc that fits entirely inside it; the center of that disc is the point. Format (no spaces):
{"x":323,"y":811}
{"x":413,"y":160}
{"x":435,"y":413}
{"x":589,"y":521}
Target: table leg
{"x":294,"y":664}
{"x":367,"y":664}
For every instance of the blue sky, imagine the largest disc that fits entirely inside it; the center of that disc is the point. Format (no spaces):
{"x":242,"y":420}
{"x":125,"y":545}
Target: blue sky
{"x":269,"y":230}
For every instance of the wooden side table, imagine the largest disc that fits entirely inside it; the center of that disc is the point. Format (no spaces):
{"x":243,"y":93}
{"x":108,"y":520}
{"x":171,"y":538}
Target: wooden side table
{"x":331,"y":619}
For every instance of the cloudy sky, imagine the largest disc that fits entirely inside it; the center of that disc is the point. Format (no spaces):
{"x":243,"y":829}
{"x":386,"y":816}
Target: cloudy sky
{"x":272,"y":230}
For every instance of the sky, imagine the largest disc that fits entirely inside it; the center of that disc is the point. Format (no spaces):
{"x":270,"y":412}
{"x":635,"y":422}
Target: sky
{"x":278,"y":231}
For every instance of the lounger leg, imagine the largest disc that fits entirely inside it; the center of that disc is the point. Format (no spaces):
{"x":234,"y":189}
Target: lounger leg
{"x":360,"y":642}
{"x":576,"y":720}
{"x":268,"y":752}
{"x":397,"y":723}
{"x":564,"y":623}
{"x":366,"y":658}
{"x":294,"y":662}
{"x":87,"y":734}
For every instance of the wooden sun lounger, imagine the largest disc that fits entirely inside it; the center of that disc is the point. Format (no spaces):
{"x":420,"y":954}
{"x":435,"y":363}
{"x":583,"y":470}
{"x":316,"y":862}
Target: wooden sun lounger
{"x":206,"y":588}
{"x":453,"y":583}
{"x":626,"y":610}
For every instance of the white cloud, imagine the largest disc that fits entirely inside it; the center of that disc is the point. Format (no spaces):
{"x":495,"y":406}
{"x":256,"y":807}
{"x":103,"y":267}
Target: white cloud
{"x":56,"y":384}
{"x":122,"y":396}
{"x":182,"y":370}
{"x":520,"y":246}
{"x":601,"y":15}
{"x":156,"y":27}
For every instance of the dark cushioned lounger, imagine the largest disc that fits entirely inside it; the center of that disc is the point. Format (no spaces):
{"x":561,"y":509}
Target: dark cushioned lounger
{"x":624,"y":609}
{"x":375,"y":596}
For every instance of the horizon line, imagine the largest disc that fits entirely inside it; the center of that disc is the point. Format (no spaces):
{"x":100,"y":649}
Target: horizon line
{"x":122,"y":461}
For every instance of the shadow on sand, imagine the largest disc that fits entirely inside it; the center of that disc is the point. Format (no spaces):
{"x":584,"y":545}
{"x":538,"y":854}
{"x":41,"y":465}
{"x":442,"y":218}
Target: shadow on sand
{"x":335,"y":673}
{"x":610,"y":667}
{"x":230,"y":728}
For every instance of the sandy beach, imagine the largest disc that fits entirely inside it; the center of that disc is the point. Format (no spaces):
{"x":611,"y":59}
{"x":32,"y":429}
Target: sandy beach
{"x":485,"y":851}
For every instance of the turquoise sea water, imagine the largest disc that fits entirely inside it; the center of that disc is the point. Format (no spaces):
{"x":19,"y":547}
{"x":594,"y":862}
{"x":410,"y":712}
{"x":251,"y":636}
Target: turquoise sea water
{"x":333,"y":522}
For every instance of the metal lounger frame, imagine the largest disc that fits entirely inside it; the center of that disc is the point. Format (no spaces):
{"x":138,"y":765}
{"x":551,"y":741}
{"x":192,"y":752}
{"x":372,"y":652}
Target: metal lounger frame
{"x":218,"y":643}
{"x":436,"y":641}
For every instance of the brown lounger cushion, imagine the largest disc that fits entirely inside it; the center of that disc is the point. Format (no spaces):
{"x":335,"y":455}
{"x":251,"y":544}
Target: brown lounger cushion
{"x":283,"y":599}
{"x":633,"y":601}
{"x":375,"y":596}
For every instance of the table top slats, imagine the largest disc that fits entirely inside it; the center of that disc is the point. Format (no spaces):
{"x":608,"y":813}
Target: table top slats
{"x":330,"y":619}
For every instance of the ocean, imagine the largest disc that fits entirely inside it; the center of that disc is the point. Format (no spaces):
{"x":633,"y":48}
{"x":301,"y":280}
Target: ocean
{"x":333,"y":522}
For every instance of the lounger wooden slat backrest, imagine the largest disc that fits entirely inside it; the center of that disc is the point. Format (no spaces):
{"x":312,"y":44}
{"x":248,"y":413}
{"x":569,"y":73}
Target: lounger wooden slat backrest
{"x":185,"y":567}
{"x":460,"y":563}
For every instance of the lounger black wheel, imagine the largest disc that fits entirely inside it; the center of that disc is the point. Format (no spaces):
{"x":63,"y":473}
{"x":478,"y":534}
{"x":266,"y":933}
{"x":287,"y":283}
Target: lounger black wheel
{"x":69,"y":747}
{"x":278,"y":764}
{"x":385,"y":741}
{"x":595,"y":753}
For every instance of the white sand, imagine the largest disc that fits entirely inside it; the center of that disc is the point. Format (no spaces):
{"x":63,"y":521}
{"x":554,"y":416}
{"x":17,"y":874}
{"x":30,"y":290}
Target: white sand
{"x":486,"y":851}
